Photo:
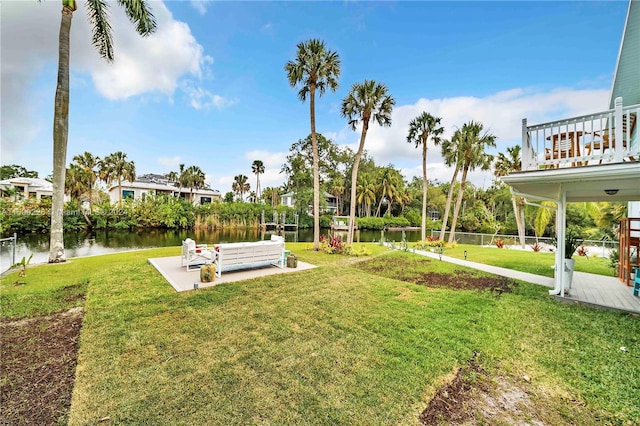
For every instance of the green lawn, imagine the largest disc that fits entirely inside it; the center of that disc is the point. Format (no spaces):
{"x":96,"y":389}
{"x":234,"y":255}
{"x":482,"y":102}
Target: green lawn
{"x":527,"y":261}
{"x":338,"y":344}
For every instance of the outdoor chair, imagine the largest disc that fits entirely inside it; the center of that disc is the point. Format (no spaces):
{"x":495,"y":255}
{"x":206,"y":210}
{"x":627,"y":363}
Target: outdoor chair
{"x":195,"y":254}
{"x":607,"y":138}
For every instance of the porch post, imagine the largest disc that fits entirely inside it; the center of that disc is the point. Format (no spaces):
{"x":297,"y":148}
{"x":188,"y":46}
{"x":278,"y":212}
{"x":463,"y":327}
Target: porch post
{"x":618,"y":130}
{"x":526,"y":149}
{"x":561,"y":224}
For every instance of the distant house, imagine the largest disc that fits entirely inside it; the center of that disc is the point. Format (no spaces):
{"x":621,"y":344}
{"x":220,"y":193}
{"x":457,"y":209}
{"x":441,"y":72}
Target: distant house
{"x":26,"y":188}
{"x":153,"y":184}
{"x":289,"y":200}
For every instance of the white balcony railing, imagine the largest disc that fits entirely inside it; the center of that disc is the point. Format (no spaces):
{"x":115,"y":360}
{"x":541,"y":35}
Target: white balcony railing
{"x":580,"y":141}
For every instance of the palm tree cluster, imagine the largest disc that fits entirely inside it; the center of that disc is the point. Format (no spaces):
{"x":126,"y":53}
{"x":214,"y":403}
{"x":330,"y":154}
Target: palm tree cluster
{"x":83,"y":173}
{"x":317,"y":68}
{"x":240,"y":186}
{"x":191,"y":177}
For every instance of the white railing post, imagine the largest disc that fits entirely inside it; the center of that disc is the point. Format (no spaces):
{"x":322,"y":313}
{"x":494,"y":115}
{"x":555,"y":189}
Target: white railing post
{"x":526,"y":147}
{"x":618,"y":130}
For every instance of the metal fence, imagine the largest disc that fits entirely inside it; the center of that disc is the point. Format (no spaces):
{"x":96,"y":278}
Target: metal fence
{"x":10,"y":244}
{"x":601,"y":248}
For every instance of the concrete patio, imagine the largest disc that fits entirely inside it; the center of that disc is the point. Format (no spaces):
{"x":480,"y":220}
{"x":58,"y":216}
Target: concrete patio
{"x":182,"y":280}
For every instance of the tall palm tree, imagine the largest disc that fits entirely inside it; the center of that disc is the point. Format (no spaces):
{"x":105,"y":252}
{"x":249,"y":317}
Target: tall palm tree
{"x":182,"y":180}
{"x":422,"y":128}
{"x":194,"y":179}
{"x":504,"y":165}
{"x":365,"y":193}
{"x":388,"y":185}
{"x":115,"y":167}
{"x":257,"y":168}
{"x":75,"y":181}
{"x":90,"y":164}
{"x":240,"y":185}
{"x":451,"y":153}
{"x":336,"y":188}
{"x":473,"y":144}
{"x":140,"y":15}
{"x":365,"y":101}
{"x":315,"y":68}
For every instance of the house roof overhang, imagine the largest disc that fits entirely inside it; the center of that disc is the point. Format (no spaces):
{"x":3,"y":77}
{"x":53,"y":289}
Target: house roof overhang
{"x":580,"y":183}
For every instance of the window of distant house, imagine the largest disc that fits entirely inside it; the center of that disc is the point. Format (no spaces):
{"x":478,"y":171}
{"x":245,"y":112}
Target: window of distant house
{"x":127,"y":194}
{"x":205,"y":200}
{"x":434,"y":215}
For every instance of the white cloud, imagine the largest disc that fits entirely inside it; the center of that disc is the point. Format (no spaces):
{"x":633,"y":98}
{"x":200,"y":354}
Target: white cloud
{"x":200,"y":6}
{"x":200,"y":98}
{"x":159,"y":64}
{"x":169,"y":162}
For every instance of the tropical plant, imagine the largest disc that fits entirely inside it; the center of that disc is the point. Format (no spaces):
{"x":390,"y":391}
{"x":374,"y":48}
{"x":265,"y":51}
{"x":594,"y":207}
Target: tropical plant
{"x":571,"y":243}
{"x":90,"y":164}
{"x":115,"y":167}
{"x":365,"y":193}
{"x":75,"y":181}
{"x":23,"y":265}
{"x":365,"y":101}
{"x":504,"y":165}
{"x":139,"y":14}
{"x":194,"y":179}
{"x":422,"y":128}
{"x":315,"y":68}
{"x":472,"y":144}
{"x":257,"y":168}
{"x":240,"y":186}
{"x":390,"y":185}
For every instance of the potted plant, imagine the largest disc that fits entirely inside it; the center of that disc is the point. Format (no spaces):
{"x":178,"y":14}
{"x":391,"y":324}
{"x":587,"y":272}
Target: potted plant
{"x":571,"y":244}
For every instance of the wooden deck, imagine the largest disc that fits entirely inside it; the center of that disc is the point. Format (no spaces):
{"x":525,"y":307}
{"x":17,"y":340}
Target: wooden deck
{"x":600,"y":291}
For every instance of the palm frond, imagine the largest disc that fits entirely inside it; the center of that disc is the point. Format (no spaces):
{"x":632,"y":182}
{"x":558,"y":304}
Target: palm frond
{"x":139,"y":14}
{"x":101,"y":38}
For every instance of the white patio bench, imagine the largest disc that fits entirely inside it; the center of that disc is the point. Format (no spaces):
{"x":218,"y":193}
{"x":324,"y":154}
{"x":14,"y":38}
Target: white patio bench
{"x":234,"y":256}
{"x":195,"y":254}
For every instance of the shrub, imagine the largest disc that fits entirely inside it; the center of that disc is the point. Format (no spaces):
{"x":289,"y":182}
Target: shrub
{"x":499,"y":243}
{"x":582,"y":251}
{"x":536,"y":247}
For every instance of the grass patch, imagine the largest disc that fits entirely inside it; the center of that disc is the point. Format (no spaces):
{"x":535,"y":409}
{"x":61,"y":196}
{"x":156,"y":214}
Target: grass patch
{"x":538,"y":263}
{"x":338,"y":344}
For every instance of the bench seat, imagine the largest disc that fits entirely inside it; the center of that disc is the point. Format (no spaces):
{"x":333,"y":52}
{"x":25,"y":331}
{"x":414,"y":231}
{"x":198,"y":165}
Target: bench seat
{"x":234,"y":256}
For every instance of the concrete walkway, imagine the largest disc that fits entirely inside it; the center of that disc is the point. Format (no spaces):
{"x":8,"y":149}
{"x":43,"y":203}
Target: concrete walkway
{"x":589,"y":289}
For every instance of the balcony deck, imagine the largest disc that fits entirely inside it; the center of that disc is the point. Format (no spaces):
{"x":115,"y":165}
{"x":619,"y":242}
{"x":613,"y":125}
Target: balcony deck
{"x":585,"y":140}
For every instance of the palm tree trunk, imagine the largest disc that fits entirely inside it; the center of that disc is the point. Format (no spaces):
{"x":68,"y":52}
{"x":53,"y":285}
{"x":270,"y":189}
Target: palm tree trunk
{"x":389,"y":204}
{"x":119,"y":192}
{"x":60,"y":137}
{"x":354,"y":179}
{"x":519,"y":219}
{"x":424,"y":189}
{"x":447,"y":209}
{"x":316,"y":169}
{"x":456,"y":210}
{"x":90,"y":198}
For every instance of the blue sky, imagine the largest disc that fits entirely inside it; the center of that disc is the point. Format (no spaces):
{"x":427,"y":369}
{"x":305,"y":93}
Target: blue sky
{"x":209,"y":88}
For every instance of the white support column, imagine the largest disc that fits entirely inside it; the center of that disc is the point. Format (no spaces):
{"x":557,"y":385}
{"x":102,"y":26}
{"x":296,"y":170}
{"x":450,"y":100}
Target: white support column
{"x":618,"y":131}
{"x":526,"y":147}
{"x":561,"y":235}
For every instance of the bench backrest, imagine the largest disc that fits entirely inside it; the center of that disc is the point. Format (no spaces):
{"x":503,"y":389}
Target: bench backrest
{"x":246,"y":253}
